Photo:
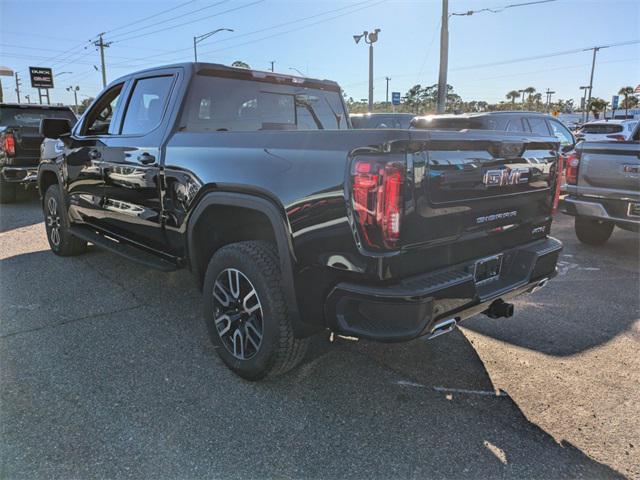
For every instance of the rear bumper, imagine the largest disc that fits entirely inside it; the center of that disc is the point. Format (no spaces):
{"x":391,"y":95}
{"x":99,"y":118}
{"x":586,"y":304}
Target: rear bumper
{"x":606,"y":209}
{"x":409,"y":309}
{"x":25,"y":175}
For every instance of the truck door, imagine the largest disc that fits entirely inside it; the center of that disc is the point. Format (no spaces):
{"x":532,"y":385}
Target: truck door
{"x":84,"y":152}
{"x":132,"y":206}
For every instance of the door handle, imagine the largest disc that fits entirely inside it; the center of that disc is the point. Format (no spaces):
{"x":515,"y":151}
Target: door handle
{"x":146,"y":158}
{"x":95,"y":154}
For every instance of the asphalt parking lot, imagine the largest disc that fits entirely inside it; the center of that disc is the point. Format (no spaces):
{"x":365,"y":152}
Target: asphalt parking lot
{"x":107,"y":372}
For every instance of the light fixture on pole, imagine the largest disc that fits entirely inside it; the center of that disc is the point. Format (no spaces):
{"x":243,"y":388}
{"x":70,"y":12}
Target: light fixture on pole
{"x":197,"y":39}
{"x":370,"y":38}
{"x":298,"y":71}
{"x":75,"y":94}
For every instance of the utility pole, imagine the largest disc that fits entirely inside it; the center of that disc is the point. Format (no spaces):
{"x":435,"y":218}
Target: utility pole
{"x":387,"y":94}
{"x":102,"y":45}
{"x":584,"y":100}
{"x":444,"y":57}
{"x":272,"y":62}
{"x":549,"y":92}
{"x":17,"y":86}
{"x":593,"y":66}
{"x":75,"y":94}
{"x":370,"y":38}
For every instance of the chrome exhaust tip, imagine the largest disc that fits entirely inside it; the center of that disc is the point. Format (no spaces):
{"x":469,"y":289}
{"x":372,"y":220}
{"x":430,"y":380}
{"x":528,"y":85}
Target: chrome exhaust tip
{"x":541,"y":284}
{"x":443,"y":327}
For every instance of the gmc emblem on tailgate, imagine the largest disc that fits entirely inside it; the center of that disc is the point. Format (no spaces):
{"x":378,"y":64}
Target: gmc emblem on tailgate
{"x":506,"y":176}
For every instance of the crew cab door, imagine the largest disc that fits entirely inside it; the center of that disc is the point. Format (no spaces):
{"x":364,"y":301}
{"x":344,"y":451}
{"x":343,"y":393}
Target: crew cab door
{"x":83,"y":156}
{"x":132,"y":206}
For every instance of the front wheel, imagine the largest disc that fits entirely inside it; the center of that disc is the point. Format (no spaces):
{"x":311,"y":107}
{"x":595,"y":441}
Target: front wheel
{"x":593,"y":231}
{"x":56,"y":223}
{"x":246,"y":313}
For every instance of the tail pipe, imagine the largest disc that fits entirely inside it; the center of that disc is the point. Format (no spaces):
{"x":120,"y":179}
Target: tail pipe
{"x":499,"y":308}
{"x":443,"y":327}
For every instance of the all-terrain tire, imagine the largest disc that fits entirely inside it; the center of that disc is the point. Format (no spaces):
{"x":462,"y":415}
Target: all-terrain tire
{"x":56,"y":222}
{"x":279,"y":351}
{"x":593,"y":231}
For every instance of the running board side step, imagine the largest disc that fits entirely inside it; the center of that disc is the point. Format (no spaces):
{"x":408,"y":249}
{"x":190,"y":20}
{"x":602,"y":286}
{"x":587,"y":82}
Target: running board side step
{"x":126,"y":250}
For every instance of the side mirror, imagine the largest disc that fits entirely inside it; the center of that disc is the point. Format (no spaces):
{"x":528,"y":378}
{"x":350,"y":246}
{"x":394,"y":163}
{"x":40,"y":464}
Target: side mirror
{"x":55,"y":127}
{"x":567,"y":148}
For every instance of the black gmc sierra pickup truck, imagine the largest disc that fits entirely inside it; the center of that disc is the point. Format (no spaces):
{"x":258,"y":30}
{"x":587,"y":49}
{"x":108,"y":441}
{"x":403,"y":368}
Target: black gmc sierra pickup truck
{"x":292,"y":221}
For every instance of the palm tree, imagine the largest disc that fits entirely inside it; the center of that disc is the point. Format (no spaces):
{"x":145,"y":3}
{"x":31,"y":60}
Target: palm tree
{"x":240,"y":64}
{"x":597,"y":105}
{"x":626,"y":91}
{"x":529,"y":91}
{"x":512,"y":95}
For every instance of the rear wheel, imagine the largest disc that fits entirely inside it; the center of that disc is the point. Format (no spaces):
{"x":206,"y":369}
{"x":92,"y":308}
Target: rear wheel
{"x":8,"y":192}
{"x":56,"y":223}
{"x":593,"y":231}
{"x":246,"y":313}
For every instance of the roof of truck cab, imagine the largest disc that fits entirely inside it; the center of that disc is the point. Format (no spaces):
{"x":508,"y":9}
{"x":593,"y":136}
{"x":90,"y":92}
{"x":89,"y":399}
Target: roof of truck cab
{"x":35,"y":105}
{"x":484,"y":114}
{"x":218,"y":69}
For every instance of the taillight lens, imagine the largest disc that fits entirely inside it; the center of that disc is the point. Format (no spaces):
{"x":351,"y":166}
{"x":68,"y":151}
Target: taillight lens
{"x":617,"y":138}
{"x":377,"y":201}
{"x":556,"y":195}
{"x":9,"y":144}
{"x":571,"y":170}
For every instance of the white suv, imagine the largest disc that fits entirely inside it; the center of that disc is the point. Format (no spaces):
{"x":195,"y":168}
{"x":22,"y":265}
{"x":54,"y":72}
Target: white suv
{"x":606,"y":130}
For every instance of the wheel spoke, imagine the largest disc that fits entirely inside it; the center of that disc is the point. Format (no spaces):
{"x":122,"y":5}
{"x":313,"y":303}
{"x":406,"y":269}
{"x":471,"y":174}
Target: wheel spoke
{"x":52,"y":204}
{"x":55,"y":236}
{"x":221,"y":294}
{"x":238,"y":344}
{"x":253,"y":335}
{"x":234,"y":282}
{"x":227,"y":324}
{"x":249,"y":296}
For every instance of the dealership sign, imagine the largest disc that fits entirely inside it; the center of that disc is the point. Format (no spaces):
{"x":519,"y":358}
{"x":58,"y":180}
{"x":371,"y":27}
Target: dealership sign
{"x":41,"y":77}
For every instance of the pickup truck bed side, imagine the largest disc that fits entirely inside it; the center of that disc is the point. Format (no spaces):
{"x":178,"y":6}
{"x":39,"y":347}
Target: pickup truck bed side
{"x":384,"y":234}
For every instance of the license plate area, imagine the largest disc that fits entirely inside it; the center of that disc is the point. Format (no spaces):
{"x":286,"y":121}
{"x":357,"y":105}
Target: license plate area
{"x":487,"y":269}
{"x":634,"y":209}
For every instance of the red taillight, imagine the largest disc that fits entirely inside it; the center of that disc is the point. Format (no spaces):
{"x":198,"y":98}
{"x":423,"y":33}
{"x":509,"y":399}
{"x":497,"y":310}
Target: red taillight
{"x":9,"y":144}
{"x":377,"y":201}
{"x":571,"y":170}
{"x":617,"y":138}
{"x":556,"y":195}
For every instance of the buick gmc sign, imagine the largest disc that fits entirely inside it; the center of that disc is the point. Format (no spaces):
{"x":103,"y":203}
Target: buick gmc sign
{"x":41,"y":77}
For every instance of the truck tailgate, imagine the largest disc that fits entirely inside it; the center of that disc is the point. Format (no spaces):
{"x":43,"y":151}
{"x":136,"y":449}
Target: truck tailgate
{"x":609,"y":166}
{"x":473,"y":184}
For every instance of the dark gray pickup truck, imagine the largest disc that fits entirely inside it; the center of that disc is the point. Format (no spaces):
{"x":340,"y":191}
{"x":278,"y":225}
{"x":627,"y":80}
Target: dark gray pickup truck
{"x":292,"y":221}
{"x":603,"y":187}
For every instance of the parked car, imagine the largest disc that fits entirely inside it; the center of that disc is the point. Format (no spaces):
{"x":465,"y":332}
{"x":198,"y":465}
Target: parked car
{"x":606,"y":130}
{"x":293,"y":222}
{"x":510,"y":121}
{"x":603,"y":186}
{"x":20,"y":144}
{"x":381,"y":120}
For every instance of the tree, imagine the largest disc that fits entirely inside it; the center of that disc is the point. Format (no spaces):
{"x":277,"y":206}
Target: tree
{"x":626,"y":92}
{"x":630,"y":102}
{"x":84,"y":104}
{"x":512,"y":95}
{"x":529,"y":91}
{"x":240,"y":64}
{"x":597,"y":105}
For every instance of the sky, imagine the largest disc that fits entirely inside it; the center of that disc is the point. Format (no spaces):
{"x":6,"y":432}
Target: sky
{"x":489,"y":53}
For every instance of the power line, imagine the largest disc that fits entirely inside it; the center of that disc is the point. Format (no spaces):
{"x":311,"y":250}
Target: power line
{"x":272,"y":27}
{"x":168,"y":19}
{"x":149,"y":17}
{"x":499,"y":9}
{"x":191,"y":21}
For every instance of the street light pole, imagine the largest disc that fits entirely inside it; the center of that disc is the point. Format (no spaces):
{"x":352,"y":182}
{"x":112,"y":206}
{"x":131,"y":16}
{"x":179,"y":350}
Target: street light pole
{"x":199,"y":38}
{"x":444,"y":57}
{"x":75,"y":94}
{"x":593,"y":66}
{"x":549,"y":92}
{"x":370,"y":38}
{"x":584,"y":101}
{"x":387,"y":93}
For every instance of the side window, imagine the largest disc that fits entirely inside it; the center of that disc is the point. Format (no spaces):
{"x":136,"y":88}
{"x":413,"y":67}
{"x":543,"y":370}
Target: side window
{"x":147,"y":102}
{"x":561,"y":133}
{"x":538,"y":125}
{"x":515,"y":125}
{"x":99,"y":118}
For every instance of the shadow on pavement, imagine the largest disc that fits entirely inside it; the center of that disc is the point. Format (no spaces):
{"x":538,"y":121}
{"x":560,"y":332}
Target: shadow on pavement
{"x":24,"y":212}
{"x":120,"y":381}
{"x":563,"y":319}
